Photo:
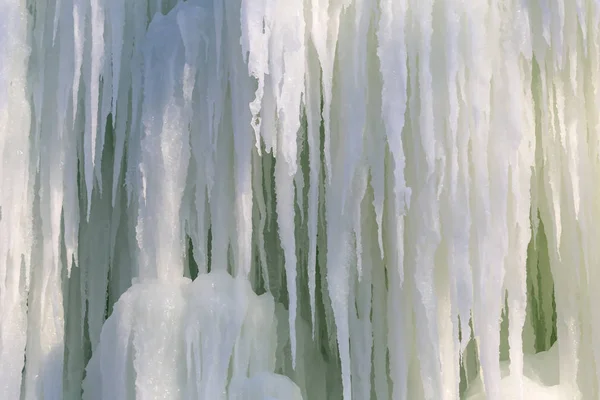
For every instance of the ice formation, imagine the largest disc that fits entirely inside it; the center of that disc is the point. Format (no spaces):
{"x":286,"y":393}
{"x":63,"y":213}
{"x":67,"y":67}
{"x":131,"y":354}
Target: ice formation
{"x":299,"y":199}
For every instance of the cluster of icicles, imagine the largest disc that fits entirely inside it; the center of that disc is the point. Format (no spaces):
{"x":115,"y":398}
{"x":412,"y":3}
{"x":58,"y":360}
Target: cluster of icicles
{"x":299,"y":199}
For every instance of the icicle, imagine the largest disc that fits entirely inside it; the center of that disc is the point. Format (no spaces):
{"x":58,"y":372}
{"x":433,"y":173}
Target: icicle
{"x":324,"y":34}
{"x":80,"y":10}
{"x":117,"y":18}
{"x":256,"y":21}
{"x":16,"y":195}
{"x":122,"y":49}
{"x":241,"y":95}
{"x":92,"y":106}
{"x":312,"y":107}
{"x":68,"y":134}
{"x":392,"y":56}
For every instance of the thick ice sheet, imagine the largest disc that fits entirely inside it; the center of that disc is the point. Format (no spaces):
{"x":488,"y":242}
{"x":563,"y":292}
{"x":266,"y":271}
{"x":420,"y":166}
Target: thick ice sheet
{"x":188,"y":340}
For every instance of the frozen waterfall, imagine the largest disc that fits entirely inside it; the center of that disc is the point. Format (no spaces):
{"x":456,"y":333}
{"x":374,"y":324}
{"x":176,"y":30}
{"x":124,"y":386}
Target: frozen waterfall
{"x":299,"y":199}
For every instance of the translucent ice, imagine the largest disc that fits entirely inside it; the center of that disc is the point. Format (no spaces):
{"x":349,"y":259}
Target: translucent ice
{"x":261,"y":199}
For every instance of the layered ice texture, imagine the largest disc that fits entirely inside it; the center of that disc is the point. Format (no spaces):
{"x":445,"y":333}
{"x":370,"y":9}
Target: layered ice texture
{"x":299,"y":199}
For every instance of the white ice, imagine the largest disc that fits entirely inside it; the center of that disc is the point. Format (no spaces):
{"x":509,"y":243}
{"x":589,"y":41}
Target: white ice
{"x":261,"y":199}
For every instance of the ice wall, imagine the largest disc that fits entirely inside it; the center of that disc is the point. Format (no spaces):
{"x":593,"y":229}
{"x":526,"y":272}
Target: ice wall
{"x":317,"y":199}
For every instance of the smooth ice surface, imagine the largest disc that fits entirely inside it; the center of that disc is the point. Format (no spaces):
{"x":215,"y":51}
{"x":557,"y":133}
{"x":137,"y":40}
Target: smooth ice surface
{"x":316,"y":199}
